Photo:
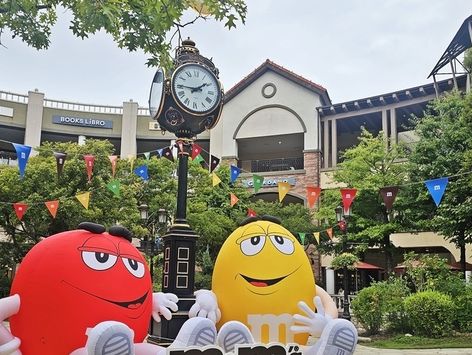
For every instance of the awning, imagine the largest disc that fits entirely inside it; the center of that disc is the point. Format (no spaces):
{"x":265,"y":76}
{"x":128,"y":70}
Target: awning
{"x":457,"y":266}
{"x":361,"y":265}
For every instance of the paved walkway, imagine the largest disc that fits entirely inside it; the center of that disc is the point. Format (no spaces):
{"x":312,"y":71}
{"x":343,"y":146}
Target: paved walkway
{"x":365,"y":350}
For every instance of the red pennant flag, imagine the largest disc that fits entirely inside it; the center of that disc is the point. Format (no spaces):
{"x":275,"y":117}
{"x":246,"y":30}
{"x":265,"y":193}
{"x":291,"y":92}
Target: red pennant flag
{"x":20,"y":209}
{"x":312,"y":194}
{"x":113,"y":161}
{"x":89,"y":161}
{"x":348,"y":196}
{"x":196,"y":150}
{"x":251,"y":213}
{"x":234,"y":199}
{"x":52,"y":207}
{"x":330,"y":233}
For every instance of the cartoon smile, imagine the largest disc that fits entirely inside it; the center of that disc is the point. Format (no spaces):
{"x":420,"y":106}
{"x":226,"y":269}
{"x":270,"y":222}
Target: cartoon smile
{"x":262,"y":283}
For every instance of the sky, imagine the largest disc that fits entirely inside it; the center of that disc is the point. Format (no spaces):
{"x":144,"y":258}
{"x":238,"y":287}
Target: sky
{"x":353,"y":48}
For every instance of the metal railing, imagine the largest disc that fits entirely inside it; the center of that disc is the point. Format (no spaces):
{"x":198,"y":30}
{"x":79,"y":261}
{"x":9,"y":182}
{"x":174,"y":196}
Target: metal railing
{"x":265,"y":165}
{"x":9,"y":96}
{"x":339,"y":301}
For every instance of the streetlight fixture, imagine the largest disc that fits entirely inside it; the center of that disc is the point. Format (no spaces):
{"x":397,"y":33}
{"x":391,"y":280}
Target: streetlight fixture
{"x":341,"y":217}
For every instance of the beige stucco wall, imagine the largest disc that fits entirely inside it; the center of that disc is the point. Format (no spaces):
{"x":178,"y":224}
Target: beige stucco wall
{"x":250,"y":114}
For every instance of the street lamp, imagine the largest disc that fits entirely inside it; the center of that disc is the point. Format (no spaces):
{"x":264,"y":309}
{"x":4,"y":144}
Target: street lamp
{"x":144,"y":214}
{"x":341,"y":217}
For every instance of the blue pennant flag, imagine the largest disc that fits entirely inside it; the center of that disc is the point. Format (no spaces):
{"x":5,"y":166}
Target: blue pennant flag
{"x":142,"y":171}
{"x":235,"y":171}
{"x":436,"y":188}
{"x":23,"y":153}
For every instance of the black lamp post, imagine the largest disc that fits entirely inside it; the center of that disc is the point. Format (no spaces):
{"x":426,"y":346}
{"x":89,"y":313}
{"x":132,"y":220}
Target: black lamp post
{"x":341,"y":218}
{"x":186,"y":103}
{"x":144,"y":214}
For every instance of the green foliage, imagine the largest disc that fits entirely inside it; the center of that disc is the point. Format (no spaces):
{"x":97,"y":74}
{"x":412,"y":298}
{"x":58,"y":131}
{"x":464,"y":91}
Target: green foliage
{"x":430,"y":313}
{"x":145,"y":25}
{"x":426,"y":271}
{"x":380,"y":306}
{"x":345,"y":260}
{"x":463,"y":314}
{"x":444,"y":149}
{"x":468,"y":60}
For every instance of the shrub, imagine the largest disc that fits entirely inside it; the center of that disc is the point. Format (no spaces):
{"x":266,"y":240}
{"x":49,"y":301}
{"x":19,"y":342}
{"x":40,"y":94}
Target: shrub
{"x":382,"y":305}
{"x":463,"y":316}
{"x":367,"y":308}
{"x":430,"y":313}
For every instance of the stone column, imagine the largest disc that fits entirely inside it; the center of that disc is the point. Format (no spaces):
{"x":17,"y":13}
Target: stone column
{"x":393,"y":126}
{"x":334,"y":143}
{"x":34,"y":120}
{"x":325,"y":144}
{"x":128,"y":129}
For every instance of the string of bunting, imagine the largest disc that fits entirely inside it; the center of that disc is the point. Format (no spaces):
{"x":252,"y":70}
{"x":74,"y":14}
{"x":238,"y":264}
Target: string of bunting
{"x":436,"y":187}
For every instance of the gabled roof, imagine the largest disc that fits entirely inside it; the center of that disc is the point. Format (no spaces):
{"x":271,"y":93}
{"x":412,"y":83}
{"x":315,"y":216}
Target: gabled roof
{"x":461,"y":41}
{"x":268,"y":65}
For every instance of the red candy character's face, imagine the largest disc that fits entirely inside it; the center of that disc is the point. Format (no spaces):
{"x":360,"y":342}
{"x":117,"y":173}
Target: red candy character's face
{"x":74,"y":280}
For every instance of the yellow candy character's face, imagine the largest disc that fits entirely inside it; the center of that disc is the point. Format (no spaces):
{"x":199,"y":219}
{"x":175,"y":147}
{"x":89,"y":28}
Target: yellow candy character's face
{"x":260,"y":275}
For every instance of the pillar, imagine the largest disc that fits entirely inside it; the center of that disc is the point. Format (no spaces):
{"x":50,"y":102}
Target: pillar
{"x":34,"y":120}
{"x":128,"y":129}
{"x":330,"y":281}
{"x":325,"y":144}
{"x":334,"y":143}
{"x":393,"y":126}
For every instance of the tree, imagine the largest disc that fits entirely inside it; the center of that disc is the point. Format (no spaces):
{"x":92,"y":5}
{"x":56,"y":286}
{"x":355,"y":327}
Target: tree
{"x":375,"y":162}
{"x":444,"y":150}
{"x":468,"y":60}
{"x":145,"y":25}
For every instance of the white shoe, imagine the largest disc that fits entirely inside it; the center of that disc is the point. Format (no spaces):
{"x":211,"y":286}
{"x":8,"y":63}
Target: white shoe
{"x":233,"y":333}
{"x":338,"y":338}
{"x":110,"y":338}
{"x":196,"y":331}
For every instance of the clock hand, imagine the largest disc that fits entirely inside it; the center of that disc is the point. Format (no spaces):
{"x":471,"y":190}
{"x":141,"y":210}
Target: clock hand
{"x":199,"y":88}
{"x":180,"y":86}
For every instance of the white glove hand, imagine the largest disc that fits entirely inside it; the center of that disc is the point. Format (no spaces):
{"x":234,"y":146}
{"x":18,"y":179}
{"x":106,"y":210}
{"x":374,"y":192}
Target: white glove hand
{"x":313,"y":323}
{"x":205,"y":306}
{"x":11,"y":348}
{"x":161,"y":303}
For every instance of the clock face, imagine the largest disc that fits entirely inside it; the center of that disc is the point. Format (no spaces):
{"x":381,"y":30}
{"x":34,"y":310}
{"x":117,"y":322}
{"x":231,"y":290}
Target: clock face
{"x":195,"y":89}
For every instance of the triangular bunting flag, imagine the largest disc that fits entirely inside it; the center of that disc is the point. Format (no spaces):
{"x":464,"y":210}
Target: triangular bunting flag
{"x":347,"y":197}
{"x":251,"y":213}
{"x":89,"y":161}
{"x":216,"y":180}
{"x":329,"y":231}
{"x":214,"y":163}
{"x":142,"y":171}
{"x":312,"y":194}
{"x":199,"y":159}
{"x":131,"y":159}
{"x":196,"y":150}
{"x":84,"y":199}
{"x":234,"y":173}
{"x":159,"y":152}
{"x":257,"y":181}
{"x":302,"y":237}
{"x":317,"y":237}
{"x":60,"y":160}
{"x":234,"y":199}
{"x":20,"y":209}
{"x":23,"y":153}
{"x":114,"y":186}
{"x":284,"y":188}
{"x":52,"y":206}
{"x":436,"y":188}
{"x":167,"y":153}
{"x":147,"y":155}
{"x":113,"y":161}
{"x":388,"y":195}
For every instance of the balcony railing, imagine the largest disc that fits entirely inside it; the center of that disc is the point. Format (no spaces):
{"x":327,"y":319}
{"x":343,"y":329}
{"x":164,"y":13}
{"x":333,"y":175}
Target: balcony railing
{"x":265,"y":165}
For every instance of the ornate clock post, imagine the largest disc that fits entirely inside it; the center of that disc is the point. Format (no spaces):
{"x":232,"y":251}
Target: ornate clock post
{"x":186,"y":103}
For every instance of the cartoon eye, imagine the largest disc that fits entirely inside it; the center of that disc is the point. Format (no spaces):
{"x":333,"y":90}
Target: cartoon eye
{"x":98,"y":260}
{"x":283,"y":244}
{"x":253,"y":245}
{"x":134,"y":267}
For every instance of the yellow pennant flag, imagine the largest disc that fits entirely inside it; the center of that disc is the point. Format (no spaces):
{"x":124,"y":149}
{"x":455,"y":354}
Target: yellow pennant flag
{"x":317,"y":237}
{"x":84,"y":199}
{"x":284,"y":188}
{"x":234,"y":199}
{"x":216,"y":179}
{"x":131,"y":159}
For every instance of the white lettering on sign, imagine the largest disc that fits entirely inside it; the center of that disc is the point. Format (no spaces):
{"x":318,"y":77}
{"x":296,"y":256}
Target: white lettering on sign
{"x":437,"y":187}
{"x":84,"y":121}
